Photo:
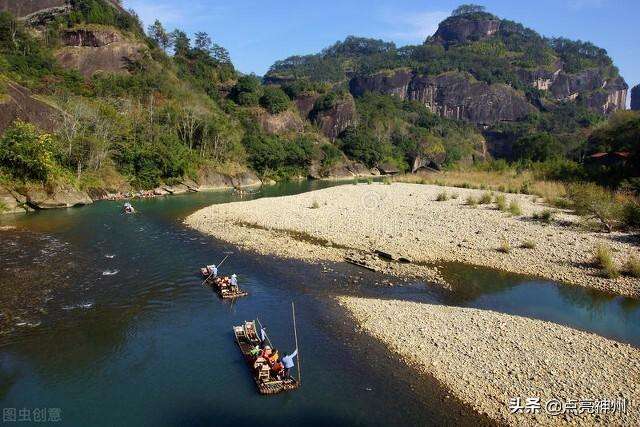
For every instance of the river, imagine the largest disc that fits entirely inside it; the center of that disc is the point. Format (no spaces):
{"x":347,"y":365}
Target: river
{"x":105,"y":318}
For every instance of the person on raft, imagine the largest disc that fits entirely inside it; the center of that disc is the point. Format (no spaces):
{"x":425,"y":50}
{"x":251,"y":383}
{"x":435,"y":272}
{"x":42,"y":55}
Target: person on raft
{"x":234,"y":282}
{"x":287,"y":362}
{"x":263,"y":336}
{"x":128,"y":208}
{"x":212,"y":270}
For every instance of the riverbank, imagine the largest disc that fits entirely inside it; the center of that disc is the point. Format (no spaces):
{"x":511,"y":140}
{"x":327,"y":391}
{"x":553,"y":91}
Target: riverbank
{"x":487,"y":358}
{"x":407,"y":221}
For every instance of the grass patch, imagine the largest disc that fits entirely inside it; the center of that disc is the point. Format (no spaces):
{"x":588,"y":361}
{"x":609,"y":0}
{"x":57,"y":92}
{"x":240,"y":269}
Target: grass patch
{"x":505,"y":246}
{"x":472,"y":201}
{"x":514,"y":208}
{"x":546,"y":216}
{"x":486,"y":198}
{"x":315,"y":205}
{"x":528,"y":244}
{"x":632,"y":268}
{"x":501,"y":202}
{"x":603,"y":259}
{"x":387,"y":181}
{"x":442,"y":197}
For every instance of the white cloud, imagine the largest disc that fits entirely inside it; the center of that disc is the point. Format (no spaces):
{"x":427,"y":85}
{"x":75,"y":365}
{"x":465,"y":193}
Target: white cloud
{"x":414,"y":27}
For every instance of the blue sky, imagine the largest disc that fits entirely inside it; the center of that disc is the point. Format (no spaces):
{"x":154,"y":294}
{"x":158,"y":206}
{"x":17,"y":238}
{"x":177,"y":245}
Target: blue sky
{"x":257,"y":33}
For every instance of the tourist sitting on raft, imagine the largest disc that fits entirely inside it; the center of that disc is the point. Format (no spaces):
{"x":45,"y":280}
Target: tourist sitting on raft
{"x":212,"y":270}
{"x":128,"y":208}
{"x":270,"y":357}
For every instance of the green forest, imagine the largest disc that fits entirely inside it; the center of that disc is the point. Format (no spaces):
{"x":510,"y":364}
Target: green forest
{"x":182,"y":106}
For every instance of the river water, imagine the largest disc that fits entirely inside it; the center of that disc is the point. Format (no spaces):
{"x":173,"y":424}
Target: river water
{"x":104,"y":317}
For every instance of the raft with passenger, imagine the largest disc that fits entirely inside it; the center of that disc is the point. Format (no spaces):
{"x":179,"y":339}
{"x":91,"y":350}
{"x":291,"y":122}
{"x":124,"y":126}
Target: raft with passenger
{"x":225,"y":287}
{"x":267,"y":371}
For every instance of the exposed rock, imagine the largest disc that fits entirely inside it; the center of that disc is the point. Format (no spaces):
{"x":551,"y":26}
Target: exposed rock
{"x":19,"y":103}
{"x":40,"y":12}
{"x":287,"y":121}
{"x":341,"y":170}
{"x":540,"y":79}
{"x":305,"y":103}
{"x":388,"y":169}
{"x":210,"y":179}
{"x":453,"y":95}
{"x":11,"y":202}
{"x":92,"y":51}
{"x":335,"y":120}
{"x":82,"y":37}
{"x":461,"y":29}
{"x":176,"y":189}
{"x":61,"y":197}
{"x":635,"y":98}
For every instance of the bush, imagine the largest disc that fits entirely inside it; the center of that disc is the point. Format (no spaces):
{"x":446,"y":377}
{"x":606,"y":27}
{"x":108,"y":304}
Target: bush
{"x":505,"y":246}
{"x":633,"y":266}
{"x":27,"y":154}
{"x":514,"y":208}
{"x":603,"y":259}
{"x":545,"y":216}
{"x":442,"y":197}
{"x":472,"y":201}
{"x":595,"y":202}
{"x":486,"y":199}
{"x":631,"y":214}
{"x":274,"y":100}
{"x":501,"y":202}
{"x":315,"y":205}
{"x":529,"y":244}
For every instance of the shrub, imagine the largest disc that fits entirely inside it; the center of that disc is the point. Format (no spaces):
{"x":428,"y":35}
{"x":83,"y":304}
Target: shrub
{"x":603,"y":259}
{"x":633,"y":266}
{"x":505,"y":246}
{"x":27,"y":154}
{"x":545,"y":216}
{"x":501,"y":202}
{"x":486,"y":199}
{"x":369,"y":181}
{"x":315,"y":205}
{"x":472,"y":201}
{"x":442,"y":197}
{"x":455,"y":196}
{"x":631,"y":214}
{"x":514,"y":208}
{"x":387,"y":181}
{"x":595,"y":202}
{"x":274,"y":100}
{"x":529,"y":244}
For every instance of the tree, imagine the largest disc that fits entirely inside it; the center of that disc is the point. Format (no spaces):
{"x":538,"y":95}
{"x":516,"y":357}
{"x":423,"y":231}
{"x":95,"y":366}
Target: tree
{"x":203,"y":42}
{"x":26,"y":153}
{"x":159,"y":35}
{"x":538,"y":147}
{"x":220,"y":54}
{"x":181,"y":42}
{"x":466,"y":9}
{"x":274,"y":99}
{"x":247,"y":91}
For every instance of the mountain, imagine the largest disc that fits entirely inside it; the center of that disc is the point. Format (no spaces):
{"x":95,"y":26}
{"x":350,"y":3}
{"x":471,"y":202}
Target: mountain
{"x":494,"y":73}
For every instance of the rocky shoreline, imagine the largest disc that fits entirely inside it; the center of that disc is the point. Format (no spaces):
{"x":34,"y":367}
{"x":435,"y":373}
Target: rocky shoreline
{"x":486,"y":359}
{"x":406,"y":221}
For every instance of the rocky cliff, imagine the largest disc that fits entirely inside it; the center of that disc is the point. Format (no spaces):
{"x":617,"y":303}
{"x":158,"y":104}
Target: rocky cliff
{"x":451,"y":95}
{"x":19,"y":103}
{"x":333,"y":121}
{"x":462,"y":29}
{"x":90,"y":50}
{"x":38,"y":12}
{"x":635,"y":98}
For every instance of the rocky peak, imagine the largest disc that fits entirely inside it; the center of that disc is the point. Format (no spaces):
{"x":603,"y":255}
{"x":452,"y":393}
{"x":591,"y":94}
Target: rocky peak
{"x":635,"y":98}
{"x":467,"y":28}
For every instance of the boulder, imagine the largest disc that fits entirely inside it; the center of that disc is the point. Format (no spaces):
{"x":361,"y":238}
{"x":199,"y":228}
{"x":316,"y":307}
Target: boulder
{"x":11,"y":202}
{"x":388,"y":169}
{"x":61,"y":197}
{"x":342,"y":170}
{"x":245,"y":179}
{"x":635,"y":98}
{"x":210,"y":179}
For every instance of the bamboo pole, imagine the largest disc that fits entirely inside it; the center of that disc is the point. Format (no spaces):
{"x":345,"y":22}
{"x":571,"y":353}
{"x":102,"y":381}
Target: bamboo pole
{"x":265,"y":334}
{"x":218,"y":266}
{"x":295,"y":334}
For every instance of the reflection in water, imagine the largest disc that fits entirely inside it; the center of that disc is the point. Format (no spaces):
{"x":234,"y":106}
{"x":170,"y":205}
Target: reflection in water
{"x":151,"y":346}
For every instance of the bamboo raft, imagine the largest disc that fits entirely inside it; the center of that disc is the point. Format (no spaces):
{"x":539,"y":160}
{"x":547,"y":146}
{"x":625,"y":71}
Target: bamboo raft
{"x":222,"y":286}
{"x":267,"y":383}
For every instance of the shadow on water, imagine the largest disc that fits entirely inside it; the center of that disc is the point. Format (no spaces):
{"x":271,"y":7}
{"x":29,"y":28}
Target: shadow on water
{"x":134,"y":339}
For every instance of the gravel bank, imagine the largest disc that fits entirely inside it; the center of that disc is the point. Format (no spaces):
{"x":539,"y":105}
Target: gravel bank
{"x":487,"y":358}
{"x":406,"y":219}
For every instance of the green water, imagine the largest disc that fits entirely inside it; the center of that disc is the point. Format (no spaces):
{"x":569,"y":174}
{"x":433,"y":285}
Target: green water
{"x":127,"y":336}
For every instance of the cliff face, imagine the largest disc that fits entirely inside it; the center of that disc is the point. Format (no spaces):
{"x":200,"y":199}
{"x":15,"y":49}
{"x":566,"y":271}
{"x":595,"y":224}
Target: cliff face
{"x":459,"y":29}
{"x":93,"y":50}
{"x":635,"y":98}
{"x":334,"y":121}
{"x":451,"y":95}
{"x":19,"y":103}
